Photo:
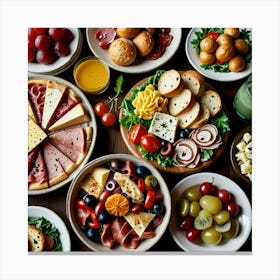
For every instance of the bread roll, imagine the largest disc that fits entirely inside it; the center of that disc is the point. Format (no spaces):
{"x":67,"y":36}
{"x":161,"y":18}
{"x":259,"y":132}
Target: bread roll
{"x":144,"y":43}
{"x":127,"y":32}
{"x":122,"y":51}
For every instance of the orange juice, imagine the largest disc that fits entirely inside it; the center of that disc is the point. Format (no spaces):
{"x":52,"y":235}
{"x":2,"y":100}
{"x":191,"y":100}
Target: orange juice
{"x":92,"y":75}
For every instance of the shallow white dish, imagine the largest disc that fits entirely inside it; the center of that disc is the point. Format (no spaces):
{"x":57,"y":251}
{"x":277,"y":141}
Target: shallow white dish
{"x":244,"y":217}
{"x":141,"y":65}
{"x":74,"y":192}
{"x":92,"y":123}
{"x":62,"y":63}
{"x":51,"y":216}
{"x":193,"y":58}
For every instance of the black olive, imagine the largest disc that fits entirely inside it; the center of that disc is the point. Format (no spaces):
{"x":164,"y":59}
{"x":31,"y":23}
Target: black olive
{"x":93,"y":235}
{"x":184,"y":133}
{"x":115,"y":165}
{"x":111,"y":184}
{"x":158,"y":208}
{"x":142,"y":171}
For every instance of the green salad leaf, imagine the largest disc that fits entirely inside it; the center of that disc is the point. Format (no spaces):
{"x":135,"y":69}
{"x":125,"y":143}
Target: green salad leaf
{"x":221,"y":122}
{"x":206,"y":154}
{"x":48,"y":229}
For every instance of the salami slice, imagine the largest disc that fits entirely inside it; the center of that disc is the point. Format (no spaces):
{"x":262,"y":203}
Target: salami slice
{"x":37,"y":177}
{"x":165,"y":39}
{"x":105,"y":36}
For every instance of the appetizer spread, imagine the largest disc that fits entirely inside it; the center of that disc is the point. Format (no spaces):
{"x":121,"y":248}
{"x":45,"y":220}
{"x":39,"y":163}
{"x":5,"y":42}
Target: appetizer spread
{"x":120,"y":204}
{"x":223,"y":49}
{"x":125,"y":45}
{"x":174,"y":119}
{"x":59,"y":133}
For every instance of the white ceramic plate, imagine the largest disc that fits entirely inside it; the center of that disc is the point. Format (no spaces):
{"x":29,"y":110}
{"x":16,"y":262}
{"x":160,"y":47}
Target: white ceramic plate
{"x":218,"y":76}
{"x":73,"y":194}
{"x":92,"y":123}
{"x":51,"y":216}
{"x":142,"y":65}
{"x":244,"y":217}
{"x":61,"y":63}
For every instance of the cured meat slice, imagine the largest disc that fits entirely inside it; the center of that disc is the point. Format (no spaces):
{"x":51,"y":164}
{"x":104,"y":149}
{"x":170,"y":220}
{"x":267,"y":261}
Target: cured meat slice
{"x":37,"y":177}
{"x":73,"y":138}
{"x":31,"y":159}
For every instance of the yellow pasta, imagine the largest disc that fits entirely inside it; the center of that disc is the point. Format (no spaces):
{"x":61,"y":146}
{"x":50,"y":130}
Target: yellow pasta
{"x":149,"y":101}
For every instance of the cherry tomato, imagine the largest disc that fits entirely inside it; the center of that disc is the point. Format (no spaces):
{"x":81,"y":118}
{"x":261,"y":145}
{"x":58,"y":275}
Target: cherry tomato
{"x":150,"y":199}
{"x":108,"y":119}
{"x":223,"y":195}
{"x":232,"y":207}
{"x":136,"y":132}
{"x":186,"y":222}
{"x":150,"y":143}
{"x":193,"y":235}
{"x":219,"y":62}
{"x":141,"y":184}
{"x":213,"y":35}
{"x":206,"y":188}
{"x":100,"y":109}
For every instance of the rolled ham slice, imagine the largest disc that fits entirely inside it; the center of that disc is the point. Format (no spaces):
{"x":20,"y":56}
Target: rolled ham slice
{"x":205,"y":136}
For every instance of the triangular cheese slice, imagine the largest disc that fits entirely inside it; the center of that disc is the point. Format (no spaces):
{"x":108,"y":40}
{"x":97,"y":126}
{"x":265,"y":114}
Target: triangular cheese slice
{"x":139,"y":222}
{"x":54,"y":94}
{"x":75,"y":116}
{"x":35,"y":135}
{"x":31,"y":113}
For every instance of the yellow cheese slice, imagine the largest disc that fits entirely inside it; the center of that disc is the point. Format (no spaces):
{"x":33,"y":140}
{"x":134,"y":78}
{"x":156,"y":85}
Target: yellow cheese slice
{"x":95,"y":182}
{"x":139,"y":222}
{"x":35,"y":135}
{"x":31,"y":113}
{"x":54,"y":94}
{"x":129,"y":187}
{"x":75,"y":116}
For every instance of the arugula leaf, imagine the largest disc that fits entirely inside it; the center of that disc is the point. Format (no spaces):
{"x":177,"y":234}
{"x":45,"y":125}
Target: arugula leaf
{"x":221,"y":122}
{"x":49,"y":229}
{"x":216,"y":67}
{"x":206,"y":154}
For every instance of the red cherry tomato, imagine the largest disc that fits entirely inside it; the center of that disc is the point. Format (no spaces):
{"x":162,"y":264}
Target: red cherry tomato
{"x":219,"y":62}
{"x":232,"y":207}
{"x":223,"y":195}
{"x":213,"y":35}
{"x":206,"y":188}
{"x":193,"y":235}
{"x":150,"y":199}
{"x":136,"y":132}
{"x":108,"y":119}
{"x":100,"y":109}
{"x":186,"y":222}
{"x":150,"y":143}
{"x":141,"y":184}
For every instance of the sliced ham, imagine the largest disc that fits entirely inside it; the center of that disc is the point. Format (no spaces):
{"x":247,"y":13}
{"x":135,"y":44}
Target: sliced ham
{"x":73,"y":138}
{"x":31,"y":158}
{"x":81,"y":216}
{"x":37,"y":177}
{"x":107,"y":238}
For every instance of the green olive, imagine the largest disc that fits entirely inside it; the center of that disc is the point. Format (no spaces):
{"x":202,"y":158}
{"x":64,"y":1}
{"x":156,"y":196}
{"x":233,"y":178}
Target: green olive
{"x":194,"y":208}
{"x":151,"y":181}
{"x":192,"y":194}
{"x":183,"y":207}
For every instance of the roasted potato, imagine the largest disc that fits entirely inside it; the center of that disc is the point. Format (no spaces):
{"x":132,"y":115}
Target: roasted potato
{"x":241,"y":46}
{"x":208,"y":45}
{"x":236,"y":64}
{"x":207,"y":58}
{"x":233,"y":32}
{"x":224,"y":39}
{"x":225,"y":52}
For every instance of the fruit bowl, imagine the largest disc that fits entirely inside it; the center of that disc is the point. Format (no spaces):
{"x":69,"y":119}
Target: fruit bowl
{"x":242,"y":220}
{"x":117,"y":167}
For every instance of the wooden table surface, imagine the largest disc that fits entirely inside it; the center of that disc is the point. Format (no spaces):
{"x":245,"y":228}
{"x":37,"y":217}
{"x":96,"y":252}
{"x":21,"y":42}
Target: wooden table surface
{"x":109,"y":141}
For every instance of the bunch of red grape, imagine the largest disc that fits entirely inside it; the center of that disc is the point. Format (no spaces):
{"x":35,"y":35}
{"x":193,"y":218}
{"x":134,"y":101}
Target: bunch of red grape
{"x":45,"y":45}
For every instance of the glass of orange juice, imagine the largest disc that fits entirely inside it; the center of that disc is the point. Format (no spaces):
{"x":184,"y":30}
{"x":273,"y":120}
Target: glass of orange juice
{"x":92,"y":75}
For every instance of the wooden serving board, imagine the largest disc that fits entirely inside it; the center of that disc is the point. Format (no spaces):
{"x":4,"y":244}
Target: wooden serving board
{"x":173,"y":169}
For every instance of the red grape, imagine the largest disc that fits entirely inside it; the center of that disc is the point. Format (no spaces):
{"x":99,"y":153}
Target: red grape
{"x":40,"y":30}
{"x":32,"y":34}
{"x":42,"y":42}
{"x":44,"y":57}
{"x":61,"y":48}
{"x":67,"y":36}
{"x":31,"y":54}
{"x":56,"y":33}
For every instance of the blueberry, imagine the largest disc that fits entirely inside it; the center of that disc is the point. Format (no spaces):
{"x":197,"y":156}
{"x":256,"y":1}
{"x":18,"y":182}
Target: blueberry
{"x":142,"y":171}
{"x":184,"y":133}
{"x":93,"y":235}
{"x":158,"y":208}
{"x":104,"y":217}
{"x":90,"y":200}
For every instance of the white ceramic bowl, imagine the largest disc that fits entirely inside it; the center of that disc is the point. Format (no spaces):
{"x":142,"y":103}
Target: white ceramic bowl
{"x":244,"y":217}
{"x":51,"y":216}
{"x":73,"y":195}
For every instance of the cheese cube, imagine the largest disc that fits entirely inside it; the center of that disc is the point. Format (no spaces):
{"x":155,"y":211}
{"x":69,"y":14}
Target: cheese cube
{"x":241,"y":146}
{"x":246,"y":167}
{"x":164,"y":126}
{"x":247,"y":137}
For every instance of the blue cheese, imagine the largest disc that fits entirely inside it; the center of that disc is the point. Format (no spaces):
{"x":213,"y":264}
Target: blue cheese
{"x":164,"y":126}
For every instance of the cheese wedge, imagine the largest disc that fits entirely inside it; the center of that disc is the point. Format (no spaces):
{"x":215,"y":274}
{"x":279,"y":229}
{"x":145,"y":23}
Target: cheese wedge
{"x":75,"y":116}
{"x":129,"y":187}
{"x":31,"y":113}
{"x":95,"y":182}
{"x":54,"y":94}
{"x":139,"y":222}
{"x":35,"y":135}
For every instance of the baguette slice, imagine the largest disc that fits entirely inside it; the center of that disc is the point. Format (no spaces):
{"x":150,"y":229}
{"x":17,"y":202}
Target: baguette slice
{"x":36,"y":239}
{"x":213,"y":100}
{"x":181,"y":102}
{"x":186,"y":119}
{"x":202,"y":118}
{"x":194,"y":81}
{"x":75,"y":116}
{"x":170,"y":83}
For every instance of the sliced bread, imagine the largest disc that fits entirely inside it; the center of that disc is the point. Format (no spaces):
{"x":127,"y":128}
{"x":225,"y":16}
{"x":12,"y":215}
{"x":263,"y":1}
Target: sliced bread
{"x":181,"y":102}
{"x":213,"y":100}
{"x":170,"y":83}
{"x":36,"y":239}
{"x":186,"y":119}
{"x":202,"y":118}
{"x":194,"y":81}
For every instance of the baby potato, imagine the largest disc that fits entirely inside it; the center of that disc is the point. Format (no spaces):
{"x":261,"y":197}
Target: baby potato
{"x":224,"y":39}
{"x":225,"y":52}
{"x":236,"y":64}
{"x":207,"y":58}
{"x":208,"y":45}
{"x":233,"y":32}
{"x":241,"y":46}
